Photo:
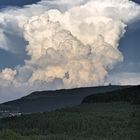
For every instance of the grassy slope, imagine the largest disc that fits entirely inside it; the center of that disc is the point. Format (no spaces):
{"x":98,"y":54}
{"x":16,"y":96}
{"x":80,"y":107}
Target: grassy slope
{"x":99,"y":121}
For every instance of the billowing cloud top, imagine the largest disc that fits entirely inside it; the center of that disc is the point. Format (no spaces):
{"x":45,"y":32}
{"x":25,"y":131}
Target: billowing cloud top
{"x":70,"y":43}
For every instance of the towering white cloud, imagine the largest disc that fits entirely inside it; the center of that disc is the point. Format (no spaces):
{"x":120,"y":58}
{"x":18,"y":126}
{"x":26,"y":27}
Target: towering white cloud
{"x":70,"y":44}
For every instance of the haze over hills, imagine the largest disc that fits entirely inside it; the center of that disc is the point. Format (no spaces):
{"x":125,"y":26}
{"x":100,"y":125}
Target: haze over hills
{"x":50,"y":100}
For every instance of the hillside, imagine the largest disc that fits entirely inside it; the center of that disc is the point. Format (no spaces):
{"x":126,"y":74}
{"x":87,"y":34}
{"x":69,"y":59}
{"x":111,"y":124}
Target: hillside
{"x":111,"y":115}
{"x":50,"y":100}
{"x":130,"y":94}
{"x":100,"y":121}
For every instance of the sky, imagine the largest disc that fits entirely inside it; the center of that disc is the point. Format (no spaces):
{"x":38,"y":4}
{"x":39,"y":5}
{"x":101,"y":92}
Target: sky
{"x":68,"y":47}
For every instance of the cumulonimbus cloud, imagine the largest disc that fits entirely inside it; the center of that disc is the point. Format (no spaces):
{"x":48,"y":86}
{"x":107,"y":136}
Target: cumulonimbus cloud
{"x":70,"y":44}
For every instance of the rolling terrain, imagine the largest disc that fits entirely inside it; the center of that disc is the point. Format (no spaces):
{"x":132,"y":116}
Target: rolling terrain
{"x":104,"y":116}
{"x":50,"y":100}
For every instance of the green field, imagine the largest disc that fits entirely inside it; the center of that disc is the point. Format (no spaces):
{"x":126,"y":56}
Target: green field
{"x":99,"y":121}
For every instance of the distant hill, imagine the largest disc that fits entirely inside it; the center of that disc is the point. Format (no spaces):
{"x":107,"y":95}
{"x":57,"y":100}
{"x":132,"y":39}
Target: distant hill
{"x":50,"y":100}
{"x":130,"y":94}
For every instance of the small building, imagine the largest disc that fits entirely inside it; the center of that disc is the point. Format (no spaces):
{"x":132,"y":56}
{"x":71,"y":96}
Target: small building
{"x":7,"y":114}
{"x":6,"y":111}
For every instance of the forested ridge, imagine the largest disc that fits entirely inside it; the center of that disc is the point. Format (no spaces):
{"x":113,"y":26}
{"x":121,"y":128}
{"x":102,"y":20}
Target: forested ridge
{"x":130,"y":94}
{"x":97,"y":119}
